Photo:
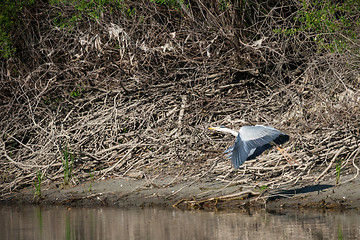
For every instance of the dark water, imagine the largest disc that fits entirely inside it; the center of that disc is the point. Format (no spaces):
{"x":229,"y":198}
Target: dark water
{"x":33,"y":222}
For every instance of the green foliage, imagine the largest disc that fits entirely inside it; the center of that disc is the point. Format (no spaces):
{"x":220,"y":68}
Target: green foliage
{"x":90,"y":8}
{"x":224,"y":4}
{"x":76,"y":93}
{"x":39,"y":176}
{"x":130,"y":12}
{"x":172,"y":4}
{"x":263,"y":188}
{"x":9,"y":11}
{"x":125,"y":130}
{"x":68,"y":162}
{"x":327,"y":16}
{"x":331,"y":23}
{"x":6,"y":50}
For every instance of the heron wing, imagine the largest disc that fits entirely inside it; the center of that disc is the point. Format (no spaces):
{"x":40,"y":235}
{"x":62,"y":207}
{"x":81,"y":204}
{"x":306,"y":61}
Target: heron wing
{"x":257,"y":136}
{"x":238,"y":153}
{"x":253,"y":141}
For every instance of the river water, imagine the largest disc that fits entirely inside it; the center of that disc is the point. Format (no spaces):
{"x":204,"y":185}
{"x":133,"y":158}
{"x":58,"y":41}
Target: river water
{"x":58,"y":222}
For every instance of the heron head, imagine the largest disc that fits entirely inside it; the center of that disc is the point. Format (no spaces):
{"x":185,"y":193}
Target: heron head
{"x":220,"y":128}
{"x":224,"y":129}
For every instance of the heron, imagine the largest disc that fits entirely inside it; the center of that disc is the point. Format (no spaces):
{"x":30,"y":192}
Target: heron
{"x":251,"y":141}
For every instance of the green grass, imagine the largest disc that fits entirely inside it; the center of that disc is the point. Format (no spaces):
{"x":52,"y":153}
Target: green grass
{"x":340,"y":233}
{"x":39,"y":176}
{"x":68,"y":162}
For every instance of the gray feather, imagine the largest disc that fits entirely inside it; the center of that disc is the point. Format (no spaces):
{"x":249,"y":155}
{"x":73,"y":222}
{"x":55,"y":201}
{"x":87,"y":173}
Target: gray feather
{"x":248,"y":140}
{"x":240,"y":153}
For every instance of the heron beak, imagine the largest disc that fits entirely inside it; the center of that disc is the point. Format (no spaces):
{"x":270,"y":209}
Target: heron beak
{"x":211,"y":128}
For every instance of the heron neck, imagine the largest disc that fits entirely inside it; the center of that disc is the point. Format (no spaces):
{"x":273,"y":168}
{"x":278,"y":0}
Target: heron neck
{"x":235,"y":133}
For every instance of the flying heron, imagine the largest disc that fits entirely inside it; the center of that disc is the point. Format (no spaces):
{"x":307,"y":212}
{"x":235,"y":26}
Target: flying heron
{"x":251,"y":141}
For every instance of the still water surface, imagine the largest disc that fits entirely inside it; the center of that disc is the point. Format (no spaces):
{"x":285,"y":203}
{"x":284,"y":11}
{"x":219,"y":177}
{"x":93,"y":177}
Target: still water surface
{"x":34,"y":222}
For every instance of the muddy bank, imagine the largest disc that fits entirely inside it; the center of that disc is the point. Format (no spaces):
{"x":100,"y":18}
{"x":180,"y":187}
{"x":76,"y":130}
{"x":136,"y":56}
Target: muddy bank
{"x":202,"y":194}
{"x":137,"y":93}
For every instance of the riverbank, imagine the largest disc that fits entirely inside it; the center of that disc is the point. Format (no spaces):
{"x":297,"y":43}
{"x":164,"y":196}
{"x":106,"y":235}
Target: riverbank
{"x":202,"y":194}
{"x":116,"y":100}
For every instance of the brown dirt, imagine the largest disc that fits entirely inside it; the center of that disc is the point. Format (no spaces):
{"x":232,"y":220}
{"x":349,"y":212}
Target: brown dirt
{"x":202,"y":194}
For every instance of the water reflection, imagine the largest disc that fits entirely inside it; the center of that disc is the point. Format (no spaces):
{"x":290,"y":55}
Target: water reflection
{"x":33,"y":222}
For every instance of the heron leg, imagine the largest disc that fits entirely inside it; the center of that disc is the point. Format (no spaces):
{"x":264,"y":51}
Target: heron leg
{"x":288,"y":158}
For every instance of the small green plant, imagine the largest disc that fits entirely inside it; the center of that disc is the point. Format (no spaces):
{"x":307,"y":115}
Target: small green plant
{"x":77,"y":92}
{"x":224,"y":4}
{"x":338,"y":170}
{"x":263,"y":188}
{"x":39,"y":176}
{"x":92,"y":177}
{"x":68,"y":162}
{"x":131,"y":11}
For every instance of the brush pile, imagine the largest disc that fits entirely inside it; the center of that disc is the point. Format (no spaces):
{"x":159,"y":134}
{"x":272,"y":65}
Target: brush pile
{"x":133,"y":91}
